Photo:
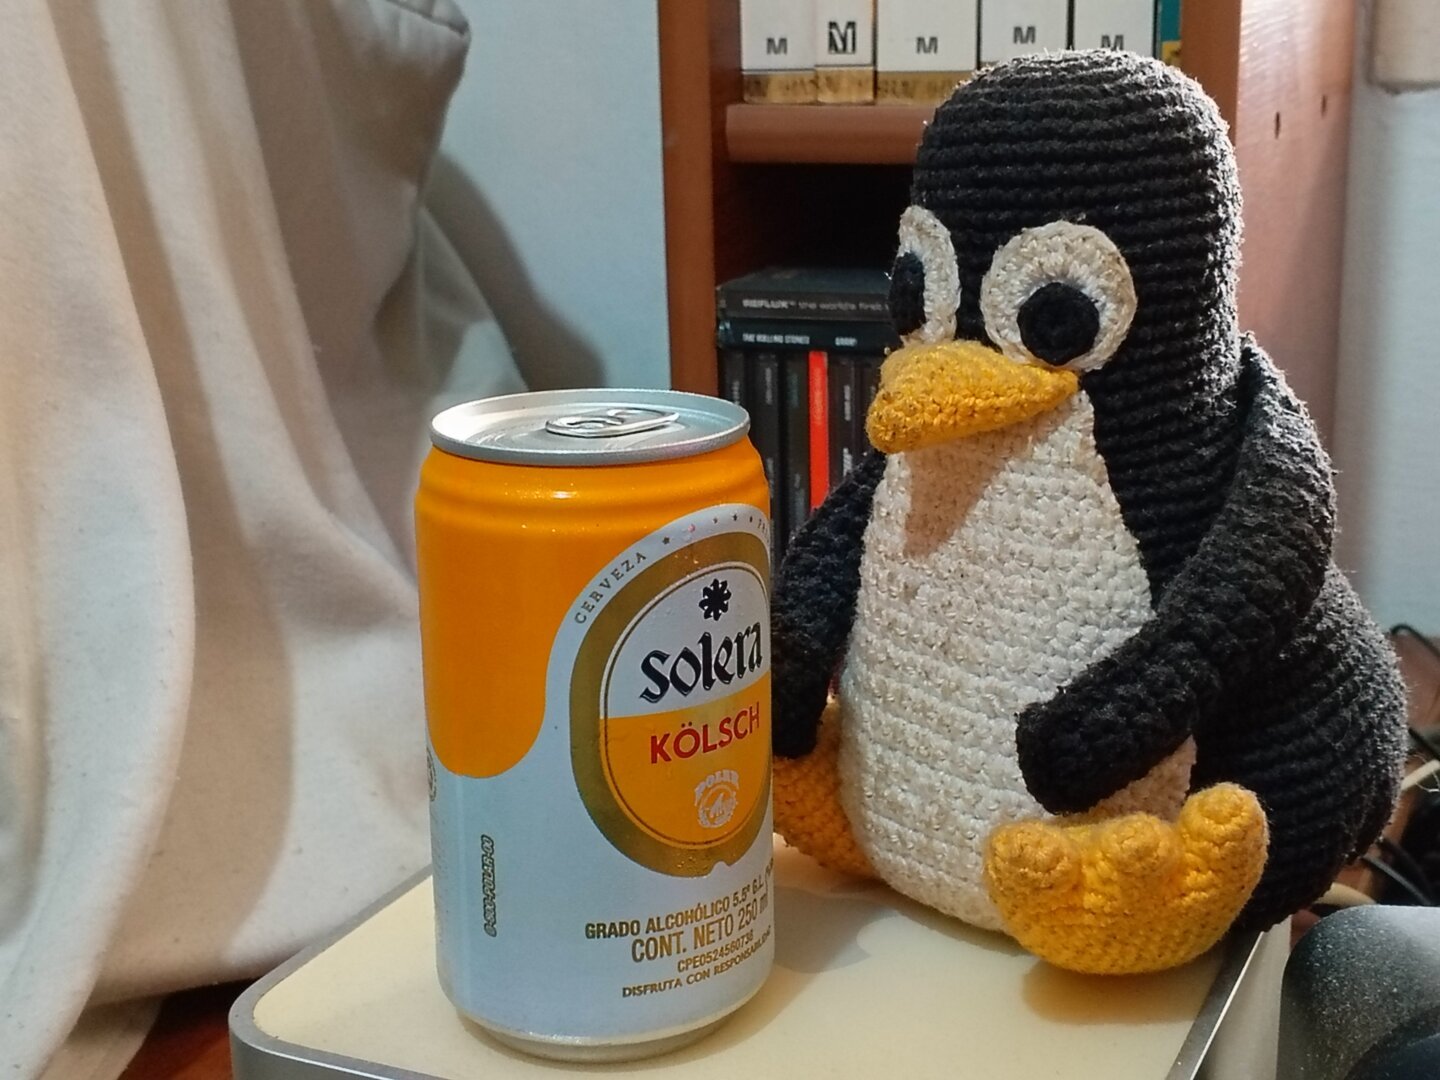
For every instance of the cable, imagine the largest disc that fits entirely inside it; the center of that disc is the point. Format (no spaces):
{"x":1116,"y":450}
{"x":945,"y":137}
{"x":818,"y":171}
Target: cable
{"x":1398,"y":878}
{"x":1343,"y":896}
{"x":1416,"y":777}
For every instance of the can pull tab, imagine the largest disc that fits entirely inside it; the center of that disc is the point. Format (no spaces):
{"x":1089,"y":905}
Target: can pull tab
{"x":610,"y":423}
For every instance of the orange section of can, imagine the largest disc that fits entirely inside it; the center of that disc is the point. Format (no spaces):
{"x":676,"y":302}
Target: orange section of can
{"x":504,"y":552}
{"x":683,"y":741}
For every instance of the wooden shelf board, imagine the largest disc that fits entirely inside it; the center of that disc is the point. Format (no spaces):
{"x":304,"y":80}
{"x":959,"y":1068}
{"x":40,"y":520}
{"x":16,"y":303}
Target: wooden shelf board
{"x":825,"y":134}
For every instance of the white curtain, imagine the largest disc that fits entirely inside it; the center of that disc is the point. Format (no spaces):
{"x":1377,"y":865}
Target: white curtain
{"x":225,"y":320}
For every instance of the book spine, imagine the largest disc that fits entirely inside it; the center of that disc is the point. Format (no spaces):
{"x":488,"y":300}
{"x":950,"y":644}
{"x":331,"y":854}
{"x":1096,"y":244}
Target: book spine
{"x":732,"y":377}
{"x":923,"y":48}
{"x":845,"y":51}
{"x":763,"y":403}
{"x":1011,"y":28}
{"x":818,"y":424}
{"x":867,"y":337}
{"x":868,"y":373}
{"x":795,"y":438}
{"x":1167,"y":31}
{"x":843,"y":449}
{"x":1114,"y":24}
{"x":738,"y":302}
{"x":777,"y":51}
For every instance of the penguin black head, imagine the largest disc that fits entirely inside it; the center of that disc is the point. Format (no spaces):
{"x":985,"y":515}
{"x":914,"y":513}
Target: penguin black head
{"x":1074,"y":224}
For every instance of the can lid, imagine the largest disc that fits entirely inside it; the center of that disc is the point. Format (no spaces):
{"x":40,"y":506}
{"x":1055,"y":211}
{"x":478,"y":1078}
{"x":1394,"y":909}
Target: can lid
{"x":589,"y":427}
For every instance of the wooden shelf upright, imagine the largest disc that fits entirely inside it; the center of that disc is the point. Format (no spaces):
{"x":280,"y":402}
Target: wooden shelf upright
{"x":748,"y":185}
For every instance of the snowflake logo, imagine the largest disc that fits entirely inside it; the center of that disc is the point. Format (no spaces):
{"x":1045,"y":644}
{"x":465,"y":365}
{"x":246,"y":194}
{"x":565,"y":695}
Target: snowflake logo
{"x":715,"y":599}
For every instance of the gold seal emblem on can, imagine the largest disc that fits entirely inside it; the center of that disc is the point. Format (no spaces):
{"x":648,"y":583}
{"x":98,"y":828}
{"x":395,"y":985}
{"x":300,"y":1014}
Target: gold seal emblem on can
{"x":594,"y":582}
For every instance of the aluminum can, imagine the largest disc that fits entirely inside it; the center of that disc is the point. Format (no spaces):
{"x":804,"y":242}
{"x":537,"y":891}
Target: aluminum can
{"x":594,"y":604}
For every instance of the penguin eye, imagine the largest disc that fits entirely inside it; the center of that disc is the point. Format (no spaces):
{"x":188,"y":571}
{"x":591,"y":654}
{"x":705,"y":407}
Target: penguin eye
{"x":925,"y":281}
{"x":1061,"y":294}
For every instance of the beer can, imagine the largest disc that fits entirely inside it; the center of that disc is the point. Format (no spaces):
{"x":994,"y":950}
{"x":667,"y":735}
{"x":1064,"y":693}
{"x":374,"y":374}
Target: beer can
{"x":594,"y":597}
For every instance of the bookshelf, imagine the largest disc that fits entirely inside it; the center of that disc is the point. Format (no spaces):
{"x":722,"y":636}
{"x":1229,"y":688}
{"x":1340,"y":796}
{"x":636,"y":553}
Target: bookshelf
{"x":750,"y":185}
{"x":824,"y":134}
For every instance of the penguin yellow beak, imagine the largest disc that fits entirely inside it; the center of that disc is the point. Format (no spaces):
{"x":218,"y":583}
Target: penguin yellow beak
{"x":931,"y":394}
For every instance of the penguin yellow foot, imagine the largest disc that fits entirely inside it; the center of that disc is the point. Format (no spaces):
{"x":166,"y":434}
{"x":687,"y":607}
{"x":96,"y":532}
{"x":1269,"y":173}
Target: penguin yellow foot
{"x":808,"y":813}
{"x":1131,"y":894}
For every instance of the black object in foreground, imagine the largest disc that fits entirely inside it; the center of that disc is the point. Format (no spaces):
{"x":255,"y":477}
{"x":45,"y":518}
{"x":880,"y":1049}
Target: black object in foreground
{"x":1361,"y":998}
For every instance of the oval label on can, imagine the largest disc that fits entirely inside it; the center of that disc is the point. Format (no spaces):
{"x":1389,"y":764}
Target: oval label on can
{"x":670,"y":704}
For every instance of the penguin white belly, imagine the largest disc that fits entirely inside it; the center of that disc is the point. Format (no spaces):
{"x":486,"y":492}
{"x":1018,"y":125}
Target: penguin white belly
{"x":996,"y":569}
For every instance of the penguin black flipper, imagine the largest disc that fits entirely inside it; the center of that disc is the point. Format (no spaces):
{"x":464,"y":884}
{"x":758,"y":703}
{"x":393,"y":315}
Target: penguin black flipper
{"x":1235,"y":603}
{"x":1318,"y":734}
{"x":813,"y":606}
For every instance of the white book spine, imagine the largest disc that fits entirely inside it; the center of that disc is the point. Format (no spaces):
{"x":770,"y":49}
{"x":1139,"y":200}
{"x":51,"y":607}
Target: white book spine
{"x":845,"y":50}
{"x":927,"y":35}
{"x":1011,"y":28}
{"x":845,"y":33}
{"x":777,"y":35}
{"x":1115,"y":24}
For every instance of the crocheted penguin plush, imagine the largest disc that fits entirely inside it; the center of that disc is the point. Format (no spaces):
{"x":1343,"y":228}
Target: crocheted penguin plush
{"x":1099,"y":683}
